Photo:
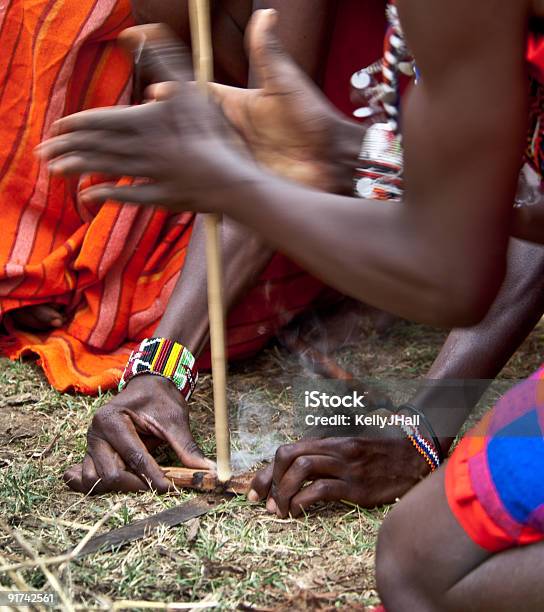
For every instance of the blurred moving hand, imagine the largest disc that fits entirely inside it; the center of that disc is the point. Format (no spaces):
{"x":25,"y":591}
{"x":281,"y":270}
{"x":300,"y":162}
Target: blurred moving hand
{"x":180,"y":147}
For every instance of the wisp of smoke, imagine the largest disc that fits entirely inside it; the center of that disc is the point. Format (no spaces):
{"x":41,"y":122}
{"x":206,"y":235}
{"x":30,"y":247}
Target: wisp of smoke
{"x":257,"y":431}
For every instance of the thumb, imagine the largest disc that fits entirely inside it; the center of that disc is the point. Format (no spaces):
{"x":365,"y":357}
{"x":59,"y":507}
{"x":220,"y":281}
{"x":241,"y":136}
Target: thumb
{"x":179,"y":437}
{"x":273,"y":67}
{"x":233,"y":103}
{"x":157,"y":53}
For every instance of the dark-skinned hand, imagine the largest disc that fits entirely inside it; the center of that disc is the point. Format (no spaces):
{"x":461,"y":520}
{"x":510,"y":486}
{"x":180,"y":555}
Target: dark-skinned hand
{"x":180,"y":144}
{"x":173,"y":146}
{"x":148,"y":413}
{"x":371,"y":470}
{"x":288,"y":124}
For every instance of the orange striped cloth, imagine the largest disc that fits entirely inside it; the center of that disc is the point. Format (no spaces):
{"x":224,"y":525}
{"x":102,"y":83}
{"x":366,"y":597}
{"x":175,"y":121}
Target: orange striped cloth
{"x":113,"y":266}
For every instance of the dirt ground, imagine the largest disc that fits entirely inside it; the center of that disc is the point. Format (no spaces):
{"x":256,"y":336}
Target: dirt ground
{"x":237,"y":555}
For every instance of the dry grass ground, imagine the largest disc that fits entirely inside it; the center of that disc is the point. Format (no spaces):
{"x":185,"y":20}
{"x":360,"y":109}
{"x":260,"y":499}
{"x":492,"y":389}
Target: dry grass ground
{"x":238,"y":555}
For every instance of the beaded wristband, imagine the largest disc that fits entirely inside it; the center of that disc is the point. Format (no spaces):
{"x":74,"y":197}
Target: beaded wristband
{"x":162,"y":357}
{"x":423,"y":446}
{"x":411,"y":408}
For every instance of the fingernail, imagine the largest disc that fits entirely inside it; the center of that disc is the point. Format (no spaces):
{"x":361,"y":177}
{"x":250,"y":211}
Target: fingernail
{"x":253,"y":496}
{"x":56,"y":167}
{"x":271,"y":505}
{"x":57,"y":322}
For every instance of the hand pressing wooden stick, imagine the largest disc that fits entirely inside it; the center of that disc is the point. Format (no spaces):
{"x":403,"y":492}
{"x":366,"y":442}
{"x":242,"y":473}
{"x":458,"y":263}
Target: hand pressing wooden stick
{"x":204,"y":480}
{"x":203,"y":63}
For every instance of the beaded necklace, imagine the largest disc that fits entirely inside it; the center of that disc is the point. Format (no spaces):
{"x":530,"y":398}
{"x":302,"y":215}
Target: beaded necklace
{"x":379,"y":174}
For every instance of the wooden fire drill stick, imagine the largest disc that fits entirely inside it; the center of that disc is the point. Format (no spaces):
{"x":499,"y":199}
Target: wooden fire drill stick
{"x":203,"y":63}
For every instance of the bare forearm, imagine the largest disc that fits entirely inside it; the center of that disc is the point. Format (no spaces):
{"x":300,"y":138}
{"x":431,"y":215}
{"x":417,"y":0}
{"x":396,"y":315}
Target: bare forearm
{"x":370,"y":250}
{"x":438,"y":258}
{"x":244,"y":257}
{"x":528,"y":223}
{"x":483,"y":350}
{"x":472,"y":357}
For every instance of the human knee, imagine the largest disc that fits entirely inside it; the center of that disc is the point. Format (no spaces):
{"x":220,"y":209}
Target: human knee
{"x":400,"y":571}
{"x":391,"y":570}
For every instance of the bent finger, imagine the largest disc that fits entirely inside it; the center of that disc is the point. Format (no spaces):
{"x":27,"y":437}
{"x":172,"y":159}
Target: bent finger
{"x":35,"y":318}
{"x":73,"y":477}
{"x":176,"y":430}
{"x":161,"y":91}
{"x":232,"y":101}
{"x":49,"y":315}
{"x":124,"y":439}
{"x":303,"y":469}
{"x":321,"y":490}
{"x":286,"y":454}
{"x":261,"y":483}
{"x":148,"y":193}
{"x":89,"y":475}
{"x":110,"y":468}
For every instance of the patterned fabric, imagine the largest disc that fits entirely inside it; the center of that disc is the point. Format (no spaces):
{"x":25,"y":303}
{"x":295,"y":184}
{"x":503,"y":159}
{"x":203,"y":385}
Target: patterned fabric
{"x":112,"y":267}
{"x":163,"y":357}
{"x":495,"y":477}
{"x":379,"y":173}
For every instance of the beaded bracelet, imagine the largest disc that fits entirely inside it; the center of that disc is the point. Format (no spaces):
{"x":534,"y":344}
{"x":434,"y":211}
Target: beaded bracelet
{"x":423,"y":446}
{"x":166,"y":358}
{"x":423,"y":419}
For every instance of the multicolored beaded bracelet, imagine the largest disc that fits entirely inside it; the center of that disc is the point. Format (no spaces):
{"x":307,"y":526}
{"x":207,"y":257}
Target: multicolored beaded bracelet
{"x":427,"y":424}
{"x":166,"y":358}
{"x":423,"y":446}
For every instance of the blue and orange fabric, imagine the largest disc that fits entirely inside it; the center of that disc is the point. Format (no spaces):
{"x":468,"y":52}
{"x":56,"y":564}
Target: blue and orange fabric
{"x":495,"y":477}
{"x":113,"y":267}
